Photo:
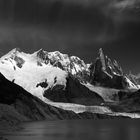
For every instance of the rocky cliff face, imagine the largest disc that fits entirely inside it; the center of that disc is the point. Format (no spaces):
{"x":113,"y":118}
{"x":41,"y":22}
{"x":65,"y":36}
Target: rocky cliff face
{"x":106,"y":73}
{"x":74,"y":92}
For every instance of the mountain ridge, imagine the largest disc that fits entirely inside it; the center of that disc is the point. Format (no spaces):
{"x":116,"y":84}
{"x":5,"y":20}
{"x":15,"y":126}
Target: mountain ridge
{"x":45,"y":72}
{"x":71,"y":64}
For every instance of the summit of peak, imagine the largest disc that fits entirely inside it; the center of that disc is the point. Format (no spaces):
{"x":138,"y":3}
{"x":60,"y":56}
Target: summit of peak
{"x":55,"y":53}
{"x":15,"y":50}
{"x":40,"y":51}
{"x":102,"y":58}
{"x":101,"y":52}
{"x":41,"y":54}
{"x":12,"y":53}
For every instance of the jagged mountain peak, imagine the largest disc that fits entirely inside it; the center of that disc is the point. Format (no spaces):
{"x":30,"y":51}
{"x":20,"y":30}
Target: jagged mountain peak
{"x":40,"y":51}
{"x":41,"y":54}
{"x":105,"y":72}
{"x":101,"y":52}
{"x":72,"y":64}
{"x":15,"y":50}
{"x":11,"y":53}
{"x":107,"y":65}
{"x":58,"y":56}
{"x":44,"y":56}
{"x":102,"y":59}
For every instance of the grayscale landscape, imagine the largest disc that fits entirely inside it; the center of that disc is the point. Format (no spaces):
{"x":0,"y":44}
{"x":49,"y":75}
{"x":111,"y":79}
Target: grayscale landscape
{"x":69,"y":69}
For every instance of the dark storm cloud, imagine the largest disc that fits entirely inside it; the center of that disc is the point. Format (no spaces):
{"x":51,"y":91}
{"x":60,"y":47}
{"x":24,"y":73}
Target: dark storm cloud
{"x":86,"y":20}
{"x":77,"y":27}
{"x":86,"y":16}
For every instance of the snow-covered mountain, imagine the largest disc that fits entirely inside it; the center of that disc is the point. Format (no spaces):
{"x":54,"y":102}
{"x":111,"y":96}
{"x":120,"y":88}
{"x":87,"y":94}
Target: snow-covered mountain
{"x":28,"y":71}
{"x":45,"y":73}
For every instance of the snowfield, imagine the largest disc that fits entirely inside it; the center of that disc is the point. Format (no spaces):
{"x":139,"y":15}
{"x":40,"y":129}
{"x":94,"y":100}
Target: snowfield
{"x":30,"y":74}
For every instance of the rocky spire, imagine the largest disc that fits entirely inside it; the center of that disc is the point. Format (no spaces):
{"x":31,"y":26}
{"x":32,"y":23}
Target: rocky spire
{"x":102,"y":59}
{"x":14,"y":51}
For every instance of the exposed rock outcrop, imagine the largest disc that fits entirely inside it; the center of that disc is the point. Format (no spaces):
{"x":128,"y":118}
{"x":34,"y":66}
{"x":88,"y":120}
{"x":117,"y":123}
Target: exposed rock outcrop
{"x":74,"y":92}
{"x":106,"y":73}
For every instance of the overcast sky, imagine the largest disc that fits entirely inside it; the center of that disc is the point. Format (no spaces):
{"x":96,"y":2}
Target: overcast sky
{"x":76,"y":27}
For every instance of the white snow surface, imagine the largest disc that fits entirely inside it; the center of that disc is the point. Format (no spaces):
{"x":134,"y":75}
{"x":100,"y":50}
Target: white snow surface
{"x":30,"y":74}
